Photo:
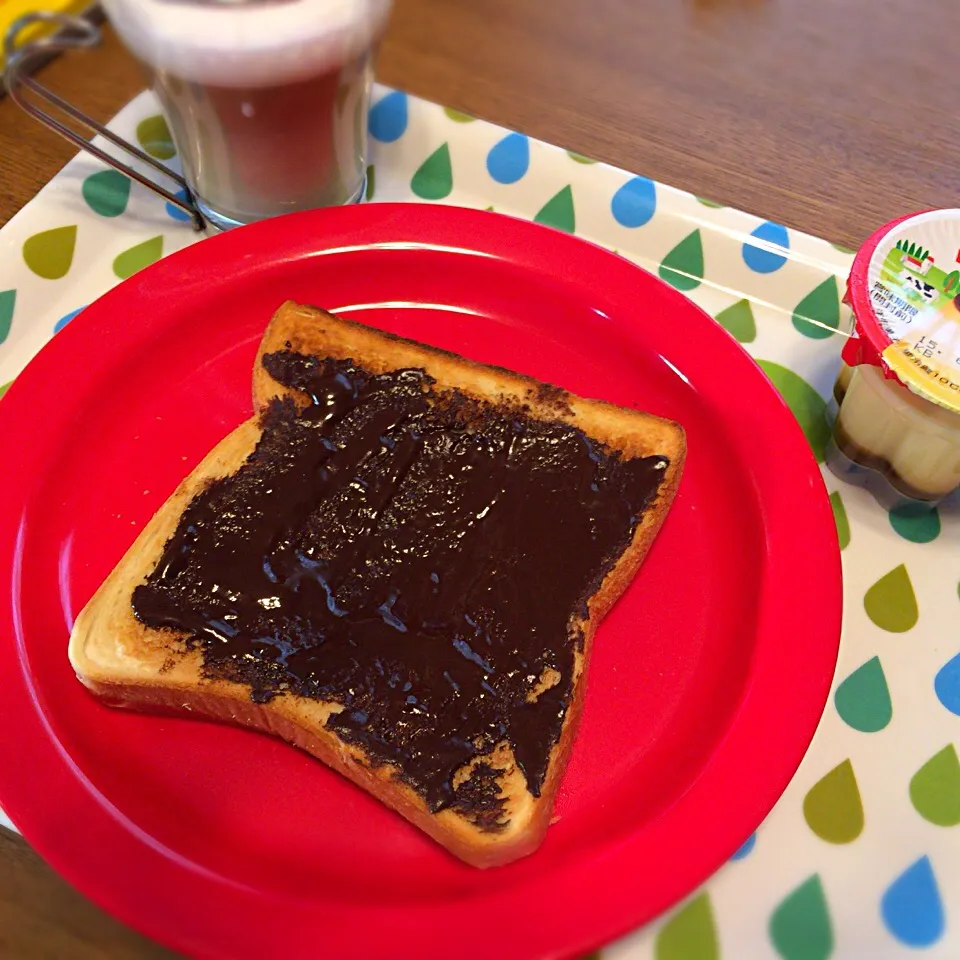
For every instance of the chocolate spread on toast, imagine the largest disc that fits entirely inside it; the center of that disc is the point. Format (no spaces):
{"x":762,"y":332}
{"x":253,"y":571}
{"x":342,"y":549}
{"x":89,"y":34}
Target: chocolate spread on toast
{"x":412,"y":554}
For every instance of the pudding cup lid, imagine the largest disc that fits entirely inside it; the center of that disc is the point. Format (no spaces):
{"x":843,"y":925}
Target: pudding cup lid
{"x":904,"y":289}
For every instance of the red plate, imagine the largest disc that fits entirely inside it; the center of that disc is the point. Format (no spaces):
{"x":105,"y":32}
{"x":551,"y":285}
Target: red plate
{"x":707,"y":680}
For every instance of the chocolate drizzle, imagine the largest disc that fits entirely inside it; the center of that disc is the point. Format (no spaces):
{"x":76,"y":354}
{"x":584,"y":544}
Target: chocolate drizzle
{"x":412,"y":555}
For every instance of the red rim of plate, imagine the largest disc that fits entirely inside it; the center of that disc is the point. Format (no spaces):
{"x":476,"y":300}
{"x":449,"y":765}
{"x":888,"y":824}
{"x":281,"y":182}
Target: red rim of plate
{"x":602,"y":895}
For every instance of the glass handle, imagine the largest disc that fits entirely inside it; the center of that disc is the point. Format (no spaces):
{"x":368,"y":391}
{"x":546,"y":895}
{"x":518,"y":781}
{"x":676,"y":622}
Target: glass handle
{"x":77,"y":33}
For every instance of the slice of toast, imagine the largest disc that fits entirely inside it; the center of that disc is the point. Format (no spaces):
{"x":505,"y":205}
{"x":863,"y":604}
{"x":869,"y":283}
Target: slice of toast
{"x":495,"y":801}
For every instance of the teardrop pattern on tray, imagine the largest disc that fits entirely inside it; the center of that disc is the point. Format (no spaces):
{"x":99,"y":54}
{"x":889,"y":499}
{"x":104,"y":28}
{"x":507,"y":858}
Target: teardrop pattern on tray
{"x":863,"y":699}
{"x":745,"y":848}
{"x":137,"y":257}
{"x":911,"y":907}
{"x":107,"y":192}
{"x":682,"y":267}
{"x":174,"y":212}
{"x":49,"y":254}
{"x":800,"y":927}
{"x":434,"y":177}
{"x":388,"y":118}
{"x":804,"y":402}
{"x":65,"y":319}
{"x":840,"y":518}
{"x":635,"y":203}
{"x":916,"y":522}
{"x":738,"y":321}
{"x":8,"y":302}
{"x":154,"y":136}
{"x":946,"y":685}
{"x":690,"y":934}
{"x":817,"y":315}
{"x":558,"y":212}
{"x":935,"y":788}
{"x":833,"y":808}
{"x":458,"y":116}
{"x":758,"y":256}
{"x":891,"y":603}
{"x":509,"y":158}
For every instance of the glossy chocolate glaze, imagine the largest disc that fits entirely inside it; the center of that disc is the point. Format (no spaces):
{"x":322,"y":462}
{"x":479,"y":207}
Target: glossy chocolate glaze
{"x":412,"y":555}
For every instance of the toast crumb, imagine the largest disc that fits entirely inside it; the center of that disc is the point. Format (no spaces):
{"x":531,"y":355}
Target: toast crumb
{"x":547,"y":680}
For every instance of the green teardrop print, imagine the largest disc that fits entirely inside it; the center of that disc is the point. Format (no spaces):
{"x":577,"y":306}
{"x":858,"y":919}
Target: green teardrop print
{"x":371,"y":183}
{"x":457,"y":116}
{"x":863,"y":699}
{"x":682,"y":267}
{"x":558,"y":212}
{"x":738,"y":321}
{"x":832,"y":807}
{"x":817,"y":315}
{"x":891,"y":603}
{"x":935,"y":788}
{"x":842,"y":249}
{"x":8,"y":300}
{"x":916,"y":522}
{"x":5,"y":387}
{"x":710,"y":203}
{"x":804,"y":402}
{"x":136,"y":258}
{"x":434,"y":179}
{"x":107,"y":192}
{"x":154,"y":136}
{"x":690,"y":934}
{"x":50,"y":253}
{"x":840,"y":518}
{"x":488,"y":209}
{"x":579,"y":157}
{"x":800,"y":927}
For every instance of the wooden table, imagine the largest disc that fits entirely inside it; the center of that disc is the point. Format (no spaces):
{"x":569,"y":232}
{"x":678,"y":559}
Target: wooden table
{"x":829,"y":117}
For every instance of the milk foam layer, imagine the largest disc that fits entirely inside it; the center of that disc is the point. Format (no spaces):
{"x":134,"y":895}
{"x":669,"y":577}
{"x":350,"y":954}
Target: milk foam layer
{"x":247,"y":45}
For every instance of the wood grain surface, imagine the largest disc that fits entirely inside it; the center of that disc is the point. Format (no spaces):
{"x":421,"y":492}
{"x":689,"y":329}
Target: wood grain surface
{"x":830,"y":117}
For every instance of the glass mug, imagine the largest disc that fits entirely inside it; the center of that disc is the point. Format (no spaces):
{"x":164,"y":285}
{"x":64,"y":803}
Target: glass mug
{"x":266,"y":99}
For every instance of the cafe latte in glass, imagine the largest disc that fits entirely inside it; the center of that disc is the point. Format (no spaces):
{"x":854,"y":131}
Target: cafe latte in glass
{"x":266,"y":99}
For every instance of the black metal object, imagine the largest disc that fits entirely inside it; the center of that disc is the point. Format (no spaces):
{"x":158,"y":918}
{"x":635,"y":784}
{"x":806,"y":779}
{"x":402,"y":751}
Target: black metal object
{"x":77,"y":33}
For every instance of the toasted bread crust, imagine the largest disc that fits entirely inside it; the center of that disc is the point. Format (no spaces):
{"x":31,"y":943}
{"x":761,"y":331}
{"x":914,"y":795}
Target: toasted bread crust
{"x":126,"y":663}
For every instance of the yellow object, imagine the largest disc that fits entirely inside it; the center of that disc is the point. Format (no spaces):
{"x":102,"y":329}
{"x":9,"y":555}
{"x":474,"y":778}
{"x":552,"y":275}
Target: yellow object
{"x":11,"y":10}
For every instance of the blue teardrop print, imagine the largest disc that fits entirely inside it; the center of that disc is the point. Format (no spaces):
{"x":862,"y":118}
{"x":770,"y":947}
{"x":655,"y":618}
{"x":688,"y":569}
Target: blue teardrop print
{"x":947,"y":685}
{"x":635,"y":203}
{"x":759,"y":258}
{"x":509,"y":158}
{"x":745,"y":847}
{"x":911,"y":906}
{"x":388,"y":117}
{"x":64,"y":320}
{"x":175,"y":212}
